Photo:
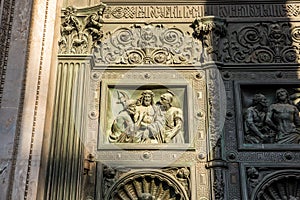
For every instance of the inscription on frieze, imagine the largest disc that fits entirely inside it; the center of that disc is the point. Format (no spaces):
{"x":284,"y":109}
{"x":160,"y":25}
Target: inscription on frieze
{"x":190,"y":12}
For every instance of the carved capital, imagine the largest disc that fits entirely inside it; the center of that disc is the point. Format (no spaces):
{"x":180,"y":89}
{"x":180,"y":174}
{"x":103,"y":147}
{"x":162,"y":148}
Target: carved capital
{"x":210,"y":31}
{"x":80,"y":34}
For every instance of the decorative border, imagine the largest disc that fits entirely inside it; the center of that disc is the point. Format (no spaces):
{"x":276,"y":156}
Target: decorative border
{"x":41,"y":58}
{"x":6,"y":26}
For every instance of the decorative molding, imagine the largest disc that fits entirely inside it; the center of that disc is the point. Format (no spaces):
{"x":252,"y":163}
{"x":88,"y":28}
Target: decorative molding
{"x":218,"y":185}
{"x":37,"y":97}
{"x":217,"y":109}
{"x":148,"y":44}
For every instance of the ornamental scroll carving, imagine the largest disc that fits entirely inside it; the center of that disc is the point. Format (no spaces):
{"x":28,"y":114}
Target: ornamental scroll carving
{"x":80,"y":34}
{"x":148,"y":44}
{"x":265,"y":42}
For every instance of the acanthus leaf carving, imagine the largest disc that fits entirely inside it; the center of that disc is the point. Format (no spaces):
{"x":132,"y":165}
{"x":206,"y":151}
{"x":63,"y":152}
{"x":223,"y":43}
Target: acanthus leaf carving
{"x":80,"y":34}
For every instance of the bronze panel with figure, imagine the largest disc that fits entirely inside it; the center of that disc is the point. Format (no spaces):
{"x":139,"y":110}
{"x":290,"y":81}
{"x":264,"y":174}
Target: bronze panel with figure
{"x":273,"y":117}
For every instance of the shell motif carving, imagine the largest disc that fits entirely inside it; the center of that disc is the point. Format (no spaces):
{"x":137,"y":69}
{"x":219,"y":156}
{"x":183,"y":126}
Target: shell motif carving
{"x":282,"y":185}
{"x":147,"y":185}
{"x":148,"y":45}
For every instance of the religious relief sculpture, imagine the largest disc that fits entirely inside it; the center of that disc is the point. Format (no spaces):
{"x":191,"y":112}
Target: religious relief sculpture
{"x":144,"y":121}
{"x":279,"y":123}
{"x":283,"y":118}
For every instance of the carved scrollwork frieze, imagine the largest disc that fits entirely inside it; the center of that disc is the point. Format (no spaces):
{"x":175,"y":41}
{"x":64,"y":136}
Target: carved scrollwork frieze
{"x":147,"y":44}
{"x":263,"y":42}
{"x":266,"y":43}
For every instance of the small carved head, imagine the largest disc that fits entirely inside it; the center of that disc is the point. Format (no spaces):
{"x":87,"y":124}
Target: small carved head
{"x":109,"y":172}
{"x":252,"y":173}
{"x":183,"y":173}
{"x":130,"y":106}
{"x":167,"y":98}
{"x":101,"y":9}
{"x":259,"y":99}
{"x":282,"y":95}
{"x":147,"y":98}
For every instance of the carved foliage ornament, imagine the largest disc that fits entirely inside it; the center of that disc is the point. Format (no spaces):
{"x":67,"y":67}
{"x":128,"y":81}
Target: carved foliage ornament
{"x":79,"y":35}
{"x":147,"y":45}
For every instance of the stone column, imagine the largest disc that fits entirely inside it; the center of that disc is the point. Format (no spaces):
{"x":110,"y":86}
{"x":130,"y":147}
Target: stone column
{"x":65,"y":165}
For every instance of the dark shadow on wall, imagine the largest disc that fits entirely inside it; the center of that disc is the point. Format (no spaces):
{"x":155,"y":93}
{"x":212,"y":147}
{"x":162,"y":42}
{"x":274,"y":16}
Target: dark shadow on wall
{"x":255,"y":45}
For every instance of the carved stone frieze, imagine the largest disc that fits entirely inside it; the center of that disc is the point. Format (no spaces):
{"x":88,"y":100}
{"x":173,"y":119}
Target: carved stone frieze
{"x":263,"y":42}
{"x":147,"y":44}
{"x":80,"y":34}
